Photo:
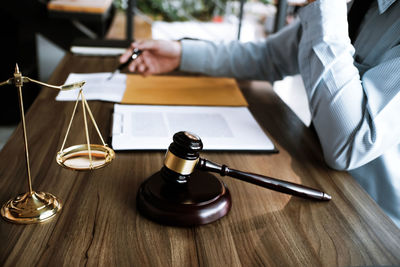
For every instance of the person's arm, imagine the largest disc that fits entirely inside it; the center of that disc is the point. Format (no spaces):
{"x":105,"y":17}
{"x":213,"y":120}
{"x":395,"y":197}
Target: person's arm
{"x":356,"y":119}
{"x":271,"y":59}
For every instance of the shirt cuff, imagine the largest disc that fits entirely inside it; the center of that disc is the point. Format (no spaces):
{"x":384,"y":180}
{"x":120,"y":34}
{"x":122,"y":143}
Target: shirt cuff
{"x":193,"y":58}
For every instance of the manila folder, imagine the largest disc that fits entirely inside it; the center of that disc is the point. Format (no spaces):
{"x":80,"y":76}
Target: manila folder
{"x":182,"y":90}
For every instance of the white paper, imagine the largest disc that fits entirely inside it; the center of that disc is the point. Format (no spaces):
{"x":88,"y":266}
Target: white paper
{"x":143,"y":127}
{"x":97,"y":87}
{"x":97,"y":51}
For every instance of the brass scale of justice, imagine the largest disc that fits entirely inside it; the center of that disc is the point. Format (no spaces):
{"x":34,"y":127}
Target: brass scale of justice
{"x":37,"y":207}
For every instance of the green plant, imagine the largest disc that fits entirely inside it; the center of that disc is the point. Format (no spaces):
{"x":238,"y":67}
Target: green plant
{"x":178,"y":10}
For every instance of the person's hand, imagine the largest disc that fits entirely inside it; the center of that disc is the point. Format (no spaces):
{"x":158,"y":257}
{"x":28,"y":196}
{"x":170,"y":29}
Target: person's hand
{"x":157,"y":57}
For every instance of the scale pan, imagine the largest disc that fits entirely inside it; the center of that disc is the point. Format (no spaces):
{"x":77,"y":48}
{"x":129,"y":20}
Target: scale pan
{"x":77,"y":157}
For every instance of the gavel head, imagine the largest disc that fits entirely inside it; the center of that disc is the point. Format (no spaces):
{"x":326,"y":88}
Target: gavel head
{"x":181,"y":157}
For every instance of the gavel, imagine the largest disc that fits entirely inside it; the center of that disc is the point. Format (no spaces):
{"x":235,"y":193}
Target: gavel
{"x":183,"y":157}
{"x":185,"y":193}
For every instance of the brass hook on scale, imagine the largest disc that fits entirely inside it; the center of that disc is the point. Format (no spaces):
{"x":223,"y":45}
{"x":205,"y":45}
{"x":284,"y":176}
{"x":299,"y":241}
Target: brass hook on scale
{"x":34,"y":206}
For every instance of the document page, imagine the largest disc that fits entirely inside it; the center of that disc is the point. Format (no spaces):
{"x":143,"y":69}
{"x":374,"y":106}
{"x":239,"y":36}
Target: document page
{"x":97,"y":87}
{"x":143,"y":127}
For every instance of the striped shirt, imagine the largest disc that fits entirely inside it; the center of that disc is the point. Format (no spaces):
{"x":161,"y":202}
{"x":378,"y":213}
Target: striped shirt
{"x":353,"y":89}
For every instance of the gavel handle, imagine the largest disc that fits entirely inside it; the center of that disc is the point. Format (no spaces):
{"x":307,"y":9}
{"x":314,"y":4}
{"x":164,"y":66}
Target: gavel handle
{"x":264,"y":181}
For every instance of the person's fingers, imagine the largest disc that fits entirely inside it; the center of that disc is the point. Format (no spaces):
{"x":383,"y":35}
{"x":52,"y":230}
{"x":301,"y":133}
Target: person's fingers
{"x":138,"y":61}
{"x":157,"y":57}
{"x":150,"y":70}
{"x":133,"y":66}
{"x":138,"y":44}
{"x":138,"y":65}
{"x":141,"y":68}
{"x":125,"y":56}
{"x":150,"y":63}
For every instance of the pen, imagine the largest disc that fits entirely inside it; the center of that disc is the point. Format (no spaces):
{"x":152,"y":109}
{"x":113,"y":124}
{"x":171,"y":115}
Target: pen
{"x":135,"y":54}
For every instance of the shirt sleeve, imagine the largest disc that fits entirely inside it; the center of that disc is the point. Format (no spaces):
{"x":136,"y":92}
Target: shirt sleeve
{"x":271,"y":59}
{"x":356,"y":119}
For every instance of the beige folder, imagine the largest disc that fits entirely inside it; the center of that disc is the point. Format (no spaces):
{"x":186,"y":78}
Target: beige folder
{"x":182,"y":90}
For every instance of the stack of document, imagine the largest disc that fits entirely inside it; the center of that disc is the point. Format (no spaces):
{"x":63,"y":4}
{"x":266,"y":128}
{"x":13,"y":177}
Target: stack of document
{"x":212,"y":108}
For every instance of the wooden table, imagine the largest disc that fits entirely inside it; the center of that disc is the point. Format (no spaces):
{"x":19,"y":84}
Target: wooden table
{"x":99,"y":223}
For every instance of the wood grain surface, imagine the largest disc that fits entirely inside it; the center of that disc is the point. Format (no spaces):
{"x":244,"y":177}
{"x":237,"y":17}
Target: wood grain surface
{"x":100,"y":226}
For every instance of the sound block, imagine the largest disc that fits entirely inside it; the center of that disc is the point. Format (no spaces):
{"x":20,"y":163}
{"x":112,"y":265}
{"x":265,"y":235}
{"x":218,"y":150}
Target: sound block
{"x":202,"y":199}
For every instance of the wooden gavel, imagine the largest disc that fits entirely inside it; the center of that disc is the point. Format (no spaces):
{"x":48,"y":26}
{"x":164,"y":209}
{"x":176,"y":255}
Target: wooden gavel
{"x":183,"y":157}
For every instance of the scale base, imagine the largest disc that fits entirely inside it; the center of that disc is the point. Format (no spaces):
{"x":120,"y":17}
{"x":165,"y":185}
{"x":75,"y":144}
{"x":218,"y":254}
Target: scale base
{"x":27,"y":208}
{"x":202,"y":199}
